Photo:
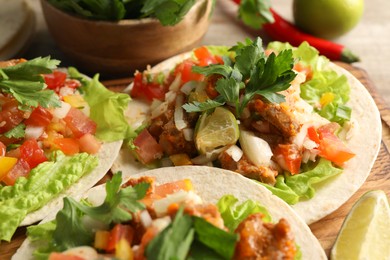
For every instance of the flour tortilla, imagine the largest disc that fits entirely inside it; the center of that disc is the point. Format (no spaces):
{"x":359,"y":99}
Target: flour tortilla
{"x":331,"y":194}
{"x":211,"y":184}
{"x":17,"y":26}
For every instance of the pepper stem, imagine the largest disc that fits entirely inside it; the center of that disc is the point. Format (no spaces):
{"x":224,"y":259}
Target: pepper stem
{"x":348,"y":56}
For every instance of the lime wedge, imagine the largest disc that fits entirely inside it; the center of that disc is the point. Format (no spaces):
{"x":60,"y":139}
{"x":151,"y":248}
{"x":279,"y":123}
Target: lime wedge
{"x":365,"y":233}
{"x":216,"y":130}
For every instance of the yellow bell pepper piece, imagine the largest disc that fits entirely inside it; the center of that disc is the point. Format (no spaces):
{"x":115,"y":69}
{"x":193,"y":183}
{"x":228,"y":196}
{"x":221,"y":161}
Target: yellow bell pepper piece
{"x":6,"y":164}
{"x":180,"y":159}
{"x":123,"y":250}
{"x":76,"y":101}
{"x":326,"y":98}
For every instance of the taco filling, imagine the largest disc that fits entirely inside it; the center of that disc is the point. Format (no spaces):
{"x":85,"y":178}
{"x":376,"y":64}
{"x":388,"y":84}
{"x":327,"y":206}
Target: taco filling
{"x":142,"y":220}
{"x":48,"y":140}
{"x":271,"y":115}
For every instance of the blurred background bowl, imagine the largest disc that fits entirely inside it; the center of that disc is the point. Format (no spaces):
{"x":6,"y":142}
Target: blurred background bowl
{"x":119,"y":48}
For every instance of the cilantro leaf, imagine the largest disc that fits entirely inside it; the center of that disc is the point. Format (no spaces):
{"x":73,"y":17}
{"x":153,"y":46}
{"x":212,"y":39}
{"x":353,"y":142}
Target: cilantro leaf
{"x":229,"y":89}
{"x":255,"y":13}
{"x":202,"y":106}
{"x":16,"y":132}
{"x":174,"y":241}
{"x":25,"y":82}
{"x":213,"y":69}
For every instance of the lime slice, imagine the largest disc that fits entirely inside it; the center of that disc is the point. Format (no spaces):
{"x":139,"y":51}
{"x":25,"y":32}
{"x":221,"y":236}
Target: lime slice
{"x":365,"y":233}
{"x":215,"y":130}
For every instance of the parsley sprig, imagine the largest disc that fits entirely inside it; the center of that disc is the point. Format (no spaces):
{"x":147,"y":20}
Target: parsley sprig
{"x":25,"y":82}
{"x":252,"y":73}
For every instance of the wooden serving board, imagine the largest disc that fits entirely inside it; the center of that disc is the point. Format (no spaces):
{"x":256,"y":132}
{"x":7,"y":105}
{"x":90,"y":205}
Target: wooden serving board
{"x":325,"y":229}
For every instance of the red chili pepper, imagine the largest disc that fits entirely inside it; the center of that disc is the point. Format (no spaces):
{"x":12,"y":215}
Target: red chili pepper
{"x":284,"y":31}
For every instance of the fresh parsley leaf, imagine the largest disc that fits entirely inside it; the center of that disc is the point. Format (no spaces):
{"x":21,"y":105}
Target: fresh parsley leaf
{"x":248,"y":56}
{"x":170,"y":12}
{"x":218,"y":69}
{"x":16,"y":132}
{"x":255,"y":13}
{"x":174,"y":241}
{"x":202,"y":106}
{"x":229,"y":89}
{"x":25,"y":82}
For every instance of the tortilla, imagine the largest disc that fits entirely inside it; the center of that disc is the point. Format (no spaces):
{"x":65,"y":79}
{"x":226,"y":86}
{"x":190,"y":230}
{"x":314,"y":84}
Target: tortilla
{"x":331,"y":194}
{"x":211,"y":184}
{"x":106,"y":156}
{"x":17,"y":26}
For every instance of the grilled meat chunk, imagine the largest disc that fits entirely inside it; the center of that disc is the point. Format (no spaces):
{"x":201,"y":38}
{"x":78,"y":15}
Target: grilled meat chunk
{"x":259,"y":240}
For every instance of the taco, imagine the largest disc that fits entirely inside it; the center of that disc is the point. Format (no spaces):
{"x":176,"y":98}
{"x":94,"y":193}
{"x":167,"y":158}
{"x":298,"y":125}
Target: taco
{"x":56,"y":139}
{"x":191,"y":213}
{"x":286,"y":117}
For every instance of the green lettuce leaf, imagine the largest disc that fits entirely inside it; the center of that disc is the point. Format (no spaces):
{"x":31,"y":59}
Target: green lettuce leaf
{"x":44,"y":182}
{"x":107,"y":109}
{"x":233,"y":214}
{"x":293,"y":188}
{"x":323,"y":82}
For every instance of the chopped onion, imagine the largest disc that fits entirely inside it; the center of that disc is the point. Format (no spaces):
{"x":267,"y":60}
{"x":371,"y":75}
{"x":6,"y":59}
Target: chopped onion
{"x":154,"y":105}
{"x":34,"y":132}
{"x":256,"y":149}
{"x":161,"y":223}
{"x":188,"y":87}
{"x":188,"y":134}
{"x":300,"y":137}
{"x":162,"y":108}
{"x":309,"y":144}
{"x":178,"y":116}
{"x":145,"y":218}
{"x":204,"y":159}
{"x":161,"y":205}
{"x":170,"y":96}
{"x":235,"y":152}
{"x":66,"y":91}
{"x":62,"y":111}
{"x":175,"y":83}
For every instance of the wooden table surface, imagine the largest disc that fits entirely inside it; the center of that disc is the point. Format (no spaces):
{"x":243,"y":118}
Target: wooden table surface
{"x":225,"y":30}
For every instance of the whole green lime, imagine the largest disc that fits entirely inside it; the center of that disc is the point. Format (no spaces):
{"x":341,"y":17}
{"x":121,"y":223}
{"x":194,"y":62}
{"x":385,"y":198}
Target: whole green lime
{"x":327,"y":18}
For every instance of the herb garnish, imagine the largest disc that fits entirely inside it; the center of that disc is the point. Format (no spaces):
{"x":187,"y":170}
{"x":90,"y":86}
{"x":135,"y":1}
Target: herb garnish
{"x":25,"y":82}
{"x":253,"y":72}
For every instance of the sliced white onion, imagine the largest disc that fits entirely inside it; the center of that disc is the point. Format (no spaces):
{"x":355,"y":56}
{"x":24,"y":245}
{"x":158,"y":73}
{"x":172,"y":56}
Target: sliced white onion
{"x":170,"y":96}
{"x":188,"y":87}
{"x":178,"y":116}
{"x":34,"y":132}
{"x":162,"y":108}
{"x":161,"y":205}
{"x":309,"y":144}
{"x":175,"y":83}
{"x":146,"y":219}
{"x":235,"y":152}
{"x":161,"y":223}
{"x":256,"y":149}
{"x":301,"y":135}
{"x":188,"y":134}
{"x":154,"y":105}
{"x":62,"y":111}
{"x":208,"y":157}
{"x":66,"y":91}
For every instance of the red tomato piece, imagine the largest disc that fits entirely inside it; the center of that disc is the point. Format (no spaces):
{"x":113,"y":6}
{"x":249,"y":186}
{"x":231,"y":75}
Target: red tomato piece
{"x":333,"y":149}
{"x":89,"y":144}
{"x":204,"y":56}
{"x":3,"y":149}
{"x":55,"y":80}
{"x":148,"y":90}
{"x":117,"y":233}
{"x":21,"y":169}
{"x":10,"y":114}
{"x":185,"y":69}
{"x":79,"y":123}
{"x":172,"y":187}
{"x":68,"y":146}
{"x":39,"y":117}
{"x":313,"y":135}
{"x":60,"y":256}
{"x":72,"y":83}
{"x":147,"y":149}
{"x":288,"y":157}
{"x":32,"y":153}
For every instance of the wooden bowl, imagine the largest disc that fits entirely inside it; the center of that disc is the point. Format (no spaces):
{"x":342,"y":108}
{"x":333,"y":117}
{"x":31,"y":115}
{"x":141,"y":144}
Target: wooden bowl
{"x":119,"y":48}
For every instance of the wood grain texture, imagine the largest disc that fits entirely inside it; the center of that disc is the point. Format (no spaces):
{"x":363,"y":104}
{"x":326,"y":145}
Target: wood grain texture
{"x":327,"y":228}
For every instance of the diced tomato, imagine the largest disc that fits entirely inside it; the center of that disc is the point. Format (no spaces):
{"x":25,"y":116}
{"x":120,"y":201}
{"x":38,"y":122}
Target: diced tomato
{"x":21,"y":169}
{"x":10,"y":115}
{"x":89,"y":144}
{"x":148,"y":90}
{"x":147,"y":149}
{"x":60,"y":256}
{"x":289,"y":157}
{"x":39,"y":117}
{"x":117,"y":233}
{"x":304,"y":69}
{"x":68,"y":146}
{"x":205,"y":57}
{"x":333,"y":149}
{"x":72,"y":83}
{"x":312,"y":134}
{"x":3,"y":149}
{"x":172,"y":187}
{"x":79,"y":123}
{"x":185,"y":69}
{"x":32,"y":153}
{"x":55,"y":80}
